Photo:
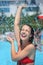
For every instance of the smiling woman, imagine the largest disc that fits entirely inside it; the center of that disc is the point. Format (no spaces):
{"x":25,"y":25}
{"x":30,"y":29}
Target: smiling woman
{"x":24,"y":38}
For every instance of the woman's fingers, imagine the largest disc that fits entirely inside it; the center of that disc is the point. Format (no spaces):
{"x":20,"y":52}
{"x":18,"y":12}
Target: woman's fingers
{"x":9,"y":39}
{"x":23,"y":6}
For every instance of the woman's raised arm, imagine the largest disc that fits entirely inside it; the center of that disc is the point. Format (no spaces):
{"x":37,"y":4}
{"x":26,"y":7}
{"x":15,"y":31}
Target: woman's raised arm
{"x":16,"y":24}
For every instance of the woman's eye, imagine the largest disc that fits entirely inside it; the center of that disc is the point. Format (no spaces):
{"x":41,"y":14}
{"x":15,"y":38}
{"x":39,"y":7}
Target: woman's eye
{"x":22,"y":29}
{"x":27,"y":30}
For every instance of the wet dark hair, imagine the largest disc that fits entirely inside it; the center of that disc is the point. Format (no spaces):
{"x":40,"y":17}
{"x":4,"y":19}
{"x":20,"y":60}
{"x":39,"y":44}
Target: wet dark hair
{"x":32,"y":34}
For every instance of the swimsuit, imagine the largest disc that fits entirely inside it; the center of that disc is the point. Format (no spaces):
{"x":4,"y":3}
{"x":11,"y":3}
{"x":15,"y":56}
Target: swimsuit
{"x":26,"y":60}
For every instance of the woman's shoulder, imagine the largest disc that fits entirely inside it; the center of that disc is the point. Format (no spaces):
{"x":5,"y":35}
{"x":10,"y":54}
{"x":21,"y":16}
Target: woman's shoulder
{"x":31,"y":46}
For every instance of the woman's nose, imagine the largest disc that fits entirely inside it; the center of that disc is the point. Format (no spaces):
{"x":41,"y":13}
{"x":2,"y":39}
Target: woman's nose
{"x":23,"y":32}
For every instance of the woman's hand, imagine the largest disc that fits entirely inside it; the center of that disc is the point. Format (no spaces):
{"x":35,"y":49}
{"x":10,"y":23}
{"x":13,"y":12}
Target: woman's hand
{"x":10,"y":39}
{"x":23,"y":6}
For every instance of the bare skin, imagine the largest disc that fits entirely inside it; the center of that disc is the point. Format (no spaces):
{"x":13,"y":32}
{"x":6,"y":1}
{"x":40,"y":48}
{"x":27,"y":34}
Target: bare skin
{"x":26,"y":49}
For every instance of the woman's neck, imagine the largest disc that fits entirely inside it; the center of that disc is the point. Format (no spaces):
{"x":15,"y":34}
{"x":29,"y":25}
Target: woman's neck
{"x":25,"y":43}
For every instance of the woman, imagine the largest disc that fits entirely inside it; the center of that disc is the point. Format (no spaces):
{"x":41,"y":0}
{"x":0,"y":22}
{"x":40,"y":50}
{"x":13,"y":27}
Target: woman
{"x":24,"y":37}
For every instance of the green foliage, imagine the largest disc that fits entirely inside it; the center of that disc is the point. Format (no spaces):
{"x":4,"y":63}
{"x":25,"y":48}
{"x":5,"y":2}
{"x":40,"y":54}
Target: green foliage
{"x":7,"y":24}
{"x":31,"y":21}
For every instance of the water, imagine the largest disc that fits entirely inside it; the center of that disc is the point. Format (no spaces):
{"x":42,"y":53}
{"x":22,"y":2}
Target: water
{"x":39,"y":57}
{"x":5,"y":54}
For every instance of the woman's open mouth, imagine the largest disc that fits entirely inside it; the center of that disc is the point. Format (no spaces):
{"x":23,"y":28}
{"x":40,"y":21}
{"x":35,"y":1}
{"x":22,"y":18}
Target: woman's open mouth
{"x":23,"y":35}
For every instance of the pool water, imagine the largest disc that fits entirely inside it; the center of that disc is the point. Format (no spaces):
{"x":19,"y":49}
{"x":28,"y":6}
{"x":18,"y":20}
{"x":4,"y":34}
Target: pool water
{"x":39,"y":57}
{"x":5,"y":54}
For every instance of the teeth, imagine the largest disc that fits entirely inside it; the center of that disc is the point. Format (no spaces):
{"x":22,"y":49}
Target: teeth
{"x":24,"y":35}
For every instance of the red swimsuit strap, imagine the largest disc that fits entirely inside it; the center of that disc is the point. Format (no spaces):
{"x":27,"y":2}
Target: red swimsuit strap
{"x":26,"y":60}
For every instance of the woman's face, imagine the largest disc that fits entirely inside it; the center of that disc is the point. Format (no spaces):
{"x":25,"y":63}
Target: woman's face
{"x":25,"y":33}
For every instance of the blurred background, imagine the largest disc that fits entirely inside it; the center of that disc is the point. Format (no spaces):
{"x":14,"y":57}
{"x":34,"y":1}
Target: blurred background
{"x":32,"y":15}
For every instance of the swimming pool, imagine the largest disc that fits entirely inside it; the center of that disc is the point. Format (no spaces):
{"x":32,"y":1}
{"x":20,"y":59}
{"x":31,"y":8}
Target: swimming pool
{"x":5,"y":54}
